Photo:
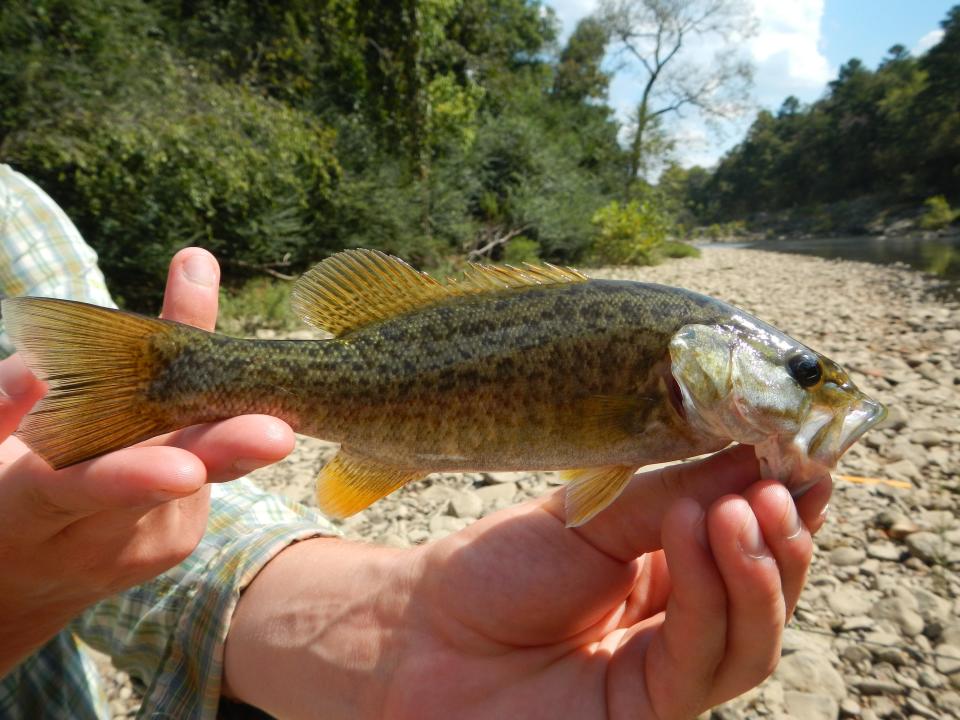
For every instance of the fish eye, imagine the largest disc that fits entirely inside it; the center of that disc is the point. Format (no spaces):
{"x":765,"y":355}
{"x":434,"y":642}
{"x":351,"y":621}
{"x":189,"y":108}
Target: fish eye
{"x":805,"y":369}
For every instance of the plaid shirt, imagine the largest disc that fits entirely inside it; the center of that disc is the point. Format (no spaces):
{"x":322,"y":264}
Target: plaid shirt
{"x":169,"y":633}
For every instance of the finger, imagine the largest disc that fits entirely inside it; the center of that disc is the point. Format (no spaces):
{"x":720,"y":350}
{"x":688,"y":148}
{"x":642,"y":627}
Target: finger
{"x":232,"y":448}
{"x":678,"y":657}
{"x":785,"y":535}
{"x":39,"y":501}
{"x":631,"y":526}
{"x":192,"y":289}
{"x":814,"y":503}
{"x":755,"y":606}
{"x":19,"y":391}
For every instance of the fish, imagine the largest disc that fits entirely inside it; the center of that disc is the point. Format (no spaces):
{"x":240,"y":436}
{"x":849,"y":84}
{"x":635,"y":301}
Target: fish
{"x":502,"y":369}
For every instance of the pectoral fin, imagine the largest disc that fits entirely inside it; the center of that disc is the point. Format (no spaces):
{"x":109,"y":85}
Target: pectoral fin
{"x":592,"y":489}
{"x":349,"y":483}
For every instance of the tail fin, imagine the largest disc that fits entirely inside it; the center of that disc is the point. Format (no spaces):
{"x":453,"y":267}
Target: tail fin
{"x":98,"y":364}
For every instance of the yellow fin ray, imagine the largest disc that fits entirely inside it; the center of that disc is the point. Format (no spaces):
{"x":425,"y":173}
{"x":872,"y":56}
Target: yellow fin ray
{"x":593,"y":489}
{"x":350,"y":483}
{"x":358,"y":287}
{"x":96,"y":362}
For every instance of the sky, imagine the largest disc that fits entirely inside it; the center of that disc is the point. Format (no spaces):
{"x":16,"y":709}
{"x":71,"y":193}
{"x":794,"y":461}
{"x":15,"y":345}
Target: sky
{"x":799,"y":46}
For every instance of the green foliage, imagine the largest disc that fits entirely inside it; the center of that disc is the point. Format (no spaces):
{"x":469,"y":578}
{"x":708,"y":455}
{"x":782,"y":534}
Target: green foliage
{"x":521,"y":250}
{"x":674,"y":249}
{"x":628,"y":234}
{"x":260,"y":303}
{"x":892,"y":132}
{"x":218,"y":166}
{"x":276,"y":133}
{"x":939,"y":214}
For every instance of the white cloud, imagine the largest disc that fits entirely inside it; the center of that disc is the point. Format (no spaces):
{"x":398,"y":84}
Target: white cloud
{"x":928,"y":41}
{"x":787,"y":51}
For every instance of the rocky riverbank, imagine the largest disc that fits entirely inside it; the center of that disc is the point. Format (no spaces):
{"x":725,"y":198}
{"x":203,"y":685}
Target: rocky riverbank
{"x":877,"y":632}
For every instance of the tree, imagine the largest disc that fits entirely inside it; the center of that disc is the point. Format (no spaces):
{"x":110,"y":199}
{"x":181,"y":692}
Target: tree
{"x":580,"y":76}
{"x":667,"y":39}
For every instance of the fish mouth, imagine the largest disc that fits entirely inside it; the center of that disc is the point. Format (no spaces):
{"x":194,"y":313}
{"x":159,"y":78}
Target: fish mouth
{"x":833,"y":436}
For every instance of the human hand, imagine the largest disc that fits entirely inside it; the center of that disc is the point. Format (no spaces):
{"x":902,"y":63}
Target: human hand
{"x":71,"y":537}
{"x":669,"y":602}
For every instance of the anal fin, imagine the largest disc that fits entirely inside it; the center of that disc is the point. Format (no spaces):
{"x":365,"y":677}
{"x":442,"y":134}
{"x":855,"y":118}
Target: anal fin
{"x":590,"y":490}
{"x":351,"y":482}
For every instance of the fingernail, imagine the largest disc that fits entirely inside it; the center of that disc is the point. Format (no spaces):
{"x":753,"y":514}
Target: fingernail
{"x":791,"y":524}
{"x":750,"y":538}
{"x":823,"y":513}
{"x":199,"y":270}
{"x":15,"y":382}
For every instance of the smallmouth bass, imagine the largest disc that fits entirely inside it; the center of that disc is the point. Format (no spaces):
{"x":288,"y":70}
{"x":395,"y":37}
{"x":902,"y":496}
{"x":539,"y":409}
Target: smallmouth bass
{"x":539,"y":368}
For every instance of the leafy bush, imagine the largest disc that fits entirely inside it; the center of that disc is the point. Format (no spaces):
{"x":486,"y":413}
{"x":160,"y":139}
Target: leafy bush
{"x":627,"y":234}
{"x":521,"y":250}
{"x":214,"y":165}
{"x":939,"y":214}
{"x":259,"y":303}
{"x":675,"y":249}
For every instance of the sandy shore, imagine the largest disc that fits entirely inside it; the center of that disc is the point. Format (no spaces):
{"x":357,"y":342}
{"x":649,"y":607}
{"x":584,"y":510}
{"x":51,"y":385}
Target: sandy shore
{"x":877,"y":632}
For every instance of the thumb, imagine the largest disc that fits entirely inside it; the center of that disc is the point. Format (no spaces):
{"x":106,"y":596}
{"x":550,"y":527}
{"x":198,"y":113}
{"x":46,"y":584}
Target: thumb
{"x":19,"y":391}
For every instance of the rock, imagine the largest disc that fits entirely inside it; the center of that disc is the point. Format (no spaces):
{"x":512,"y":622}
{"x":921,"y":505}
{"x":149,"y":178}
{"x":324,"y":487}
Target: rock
{"x":875,"y":686}
{"x":497,"y":496}
{"x":443,"y":525}
{"x":505,"y":477}
{"x":856,"y":654}
{"x":466,"y":504}
{"x":809,"y":672}
{"x":883,"y":550}
{"x":850,"y":708}
{"x":932,"y":608}
{"x":850,"y":601}
{"x":892,"y":655}
{"x":929,"y":547}
{"x":928,"y":438}
{"x":846,"y":555}
{"x":856,"y":622}
{"x":909,"y":467}
{"x":393,"y":540}
{"x":918,"y":708}
{"x":948,"y":659}
{"x":900,"y":611}
{"x":810,"y":706}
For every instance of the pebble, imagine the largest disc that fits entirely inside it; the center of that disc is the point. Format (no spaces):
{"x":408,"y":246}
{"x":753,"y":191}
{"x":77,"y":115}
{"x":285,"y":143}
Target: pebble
{"x":948,"y":659}
{"x":928,"y":546}
{"x":846,"y":555}
{"x":874,"y":686}
{"x":900,"y":611}
{"x":810,"y":706}
{"x":810,"y":672}
{"x":883,"y":550}
{"x":497,"y":496}
{"x":466,"y":505}
{"x":850,"y":601}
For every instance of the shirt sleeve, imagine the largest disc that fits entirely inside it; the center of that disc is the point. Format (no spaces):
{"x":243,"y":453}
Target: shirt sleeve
{"x":41,"y":251}
{"x":169,"y":633}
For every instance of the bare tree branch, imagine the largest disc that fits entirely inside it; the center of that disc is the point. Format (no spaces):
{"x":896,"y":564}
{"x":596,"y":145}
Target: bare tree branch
{"x":666,"y":39}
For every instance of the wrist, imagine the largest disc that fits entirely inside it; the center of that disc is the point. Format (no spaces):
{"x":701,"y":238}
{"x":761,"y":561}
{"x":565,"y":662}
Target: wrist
{"x":318,"y":631}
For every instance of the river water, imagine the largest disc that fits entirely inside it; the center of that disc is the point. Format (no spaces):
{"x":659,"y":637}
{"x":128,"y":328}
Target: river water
{"x":935,"y":256}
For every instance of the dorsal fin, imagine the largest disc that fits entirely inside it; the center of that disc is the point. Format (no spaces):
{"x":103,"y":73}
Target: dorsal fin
{"x":357,"y":287}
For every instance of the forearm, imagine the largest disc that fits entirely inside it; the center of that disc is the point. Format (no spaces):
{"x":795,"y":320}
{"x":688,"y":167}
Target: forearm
{"x":317,"y":633}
